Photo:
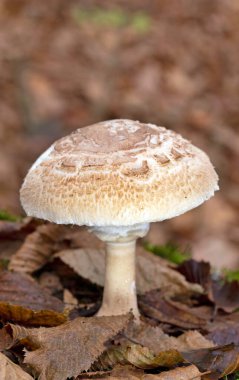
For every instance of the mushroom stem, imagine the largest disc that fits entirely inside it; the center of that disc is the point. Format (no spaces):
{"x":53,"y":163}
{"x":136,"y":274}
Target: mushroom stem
{"x":119,"y":290}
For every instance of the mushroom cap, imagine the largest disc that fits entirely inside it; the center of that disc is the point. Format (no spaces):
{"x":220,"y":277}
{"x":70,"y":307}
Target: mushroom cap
{"x":118,"y":173}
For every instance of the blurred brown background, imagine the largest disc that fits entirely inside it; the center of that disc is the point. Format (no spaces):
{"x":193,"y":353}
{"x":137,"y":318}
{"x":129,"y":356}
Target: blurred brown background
{"x":66,"y":64}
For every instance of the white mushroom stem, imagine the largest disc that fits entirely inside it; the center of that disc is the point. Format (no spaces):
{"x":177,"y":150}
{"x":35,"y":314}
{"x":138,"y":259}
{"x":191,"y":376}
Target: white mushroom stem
{"x":120,"y":290}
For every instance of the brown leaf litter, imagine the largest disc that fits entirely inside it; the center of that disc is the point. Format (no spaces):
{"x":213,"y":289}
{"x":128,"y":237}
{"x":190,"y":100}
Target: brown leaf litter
{"x":12,"y":371}
{"x":156,"y":340}
{"x":47,"y":239}
{"x":225,"y":335}
{"x":158,"y":306}
{"x":80,"y":345}
{"x":167,"y":299}
{"x":189,"y":372}
{"x":140,"y":357}
{"x":196,"y":272}
{"x":220,"y":361}
{"x":66,"y":350}
{"x":147,"y":347}
{"x":224,"y":295}
{"x":12,"y":234}
{"x":23,"y":301}
{"x":37,"y":248}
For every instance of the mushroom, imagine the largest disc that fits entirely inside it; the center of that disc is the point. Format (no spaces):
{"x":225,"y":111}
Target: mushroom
{"x":116,"y":177}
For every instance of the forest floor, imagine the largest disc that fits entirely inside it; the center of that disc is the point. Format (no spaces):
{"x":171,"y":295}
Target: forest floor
{"x":64,"y":65}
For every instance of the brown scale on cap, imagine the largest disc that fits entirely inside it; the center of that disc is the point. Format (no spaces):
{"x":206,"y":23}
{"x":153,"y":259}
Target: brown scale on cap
{"x":118,"y":172}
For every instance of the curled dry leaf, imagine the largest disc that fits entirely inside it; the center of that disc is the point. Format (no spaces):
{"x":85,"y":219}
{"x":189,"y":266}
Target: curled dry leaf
{"x":66,"y":350}
{"x":151,"y":271}
{"x":48,"y":238}
{"x":140,"y":357}
{"x":36,"y":249}
{"x":156,"y":305}
{"x":11,"y":371}
{"x":22,"y":300}
{"x":147,"y":347}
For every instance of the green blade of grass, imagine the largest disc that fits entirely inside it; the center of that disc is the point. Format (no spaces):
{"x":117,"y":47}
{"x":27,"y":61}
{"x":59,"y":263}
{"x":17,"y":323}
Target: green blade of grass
{"x":169,"y":252}
{"x":4,"y":215}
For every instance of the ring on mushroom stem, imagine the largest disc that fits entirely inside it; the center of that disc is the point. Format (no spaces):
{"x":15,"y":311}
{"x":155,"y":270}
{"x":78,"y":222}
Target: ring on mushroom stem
{"x":116,"y":177}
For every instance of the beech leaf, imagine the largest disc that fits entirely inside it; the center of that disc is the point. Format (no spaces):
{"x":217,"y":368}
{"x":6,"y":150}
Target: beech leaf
{"x":69,"y":349}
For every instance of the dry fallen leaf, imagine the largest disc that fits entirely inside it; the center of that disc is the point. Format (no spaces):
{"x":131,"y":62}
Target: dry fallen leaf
{"x":22,"y":300}
{"x":152,"y":272}
{"x":156,"y":305}
{"x":226,"y":335}
{"x":69,"y":349}
{"x":11,"y":371}
{"x":146,"y":347}
{"x":127,"y":372}
{"x":140,"y":357}
{"x":156,"y":340}
{"x":48,"y":238}
{"x":197,"y":272}
{"x":220,"y":361}
{"x":89,"y":263}
{"x":225,"y":295}
{"x":36,"y":249}
{"x":190,"y":372}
